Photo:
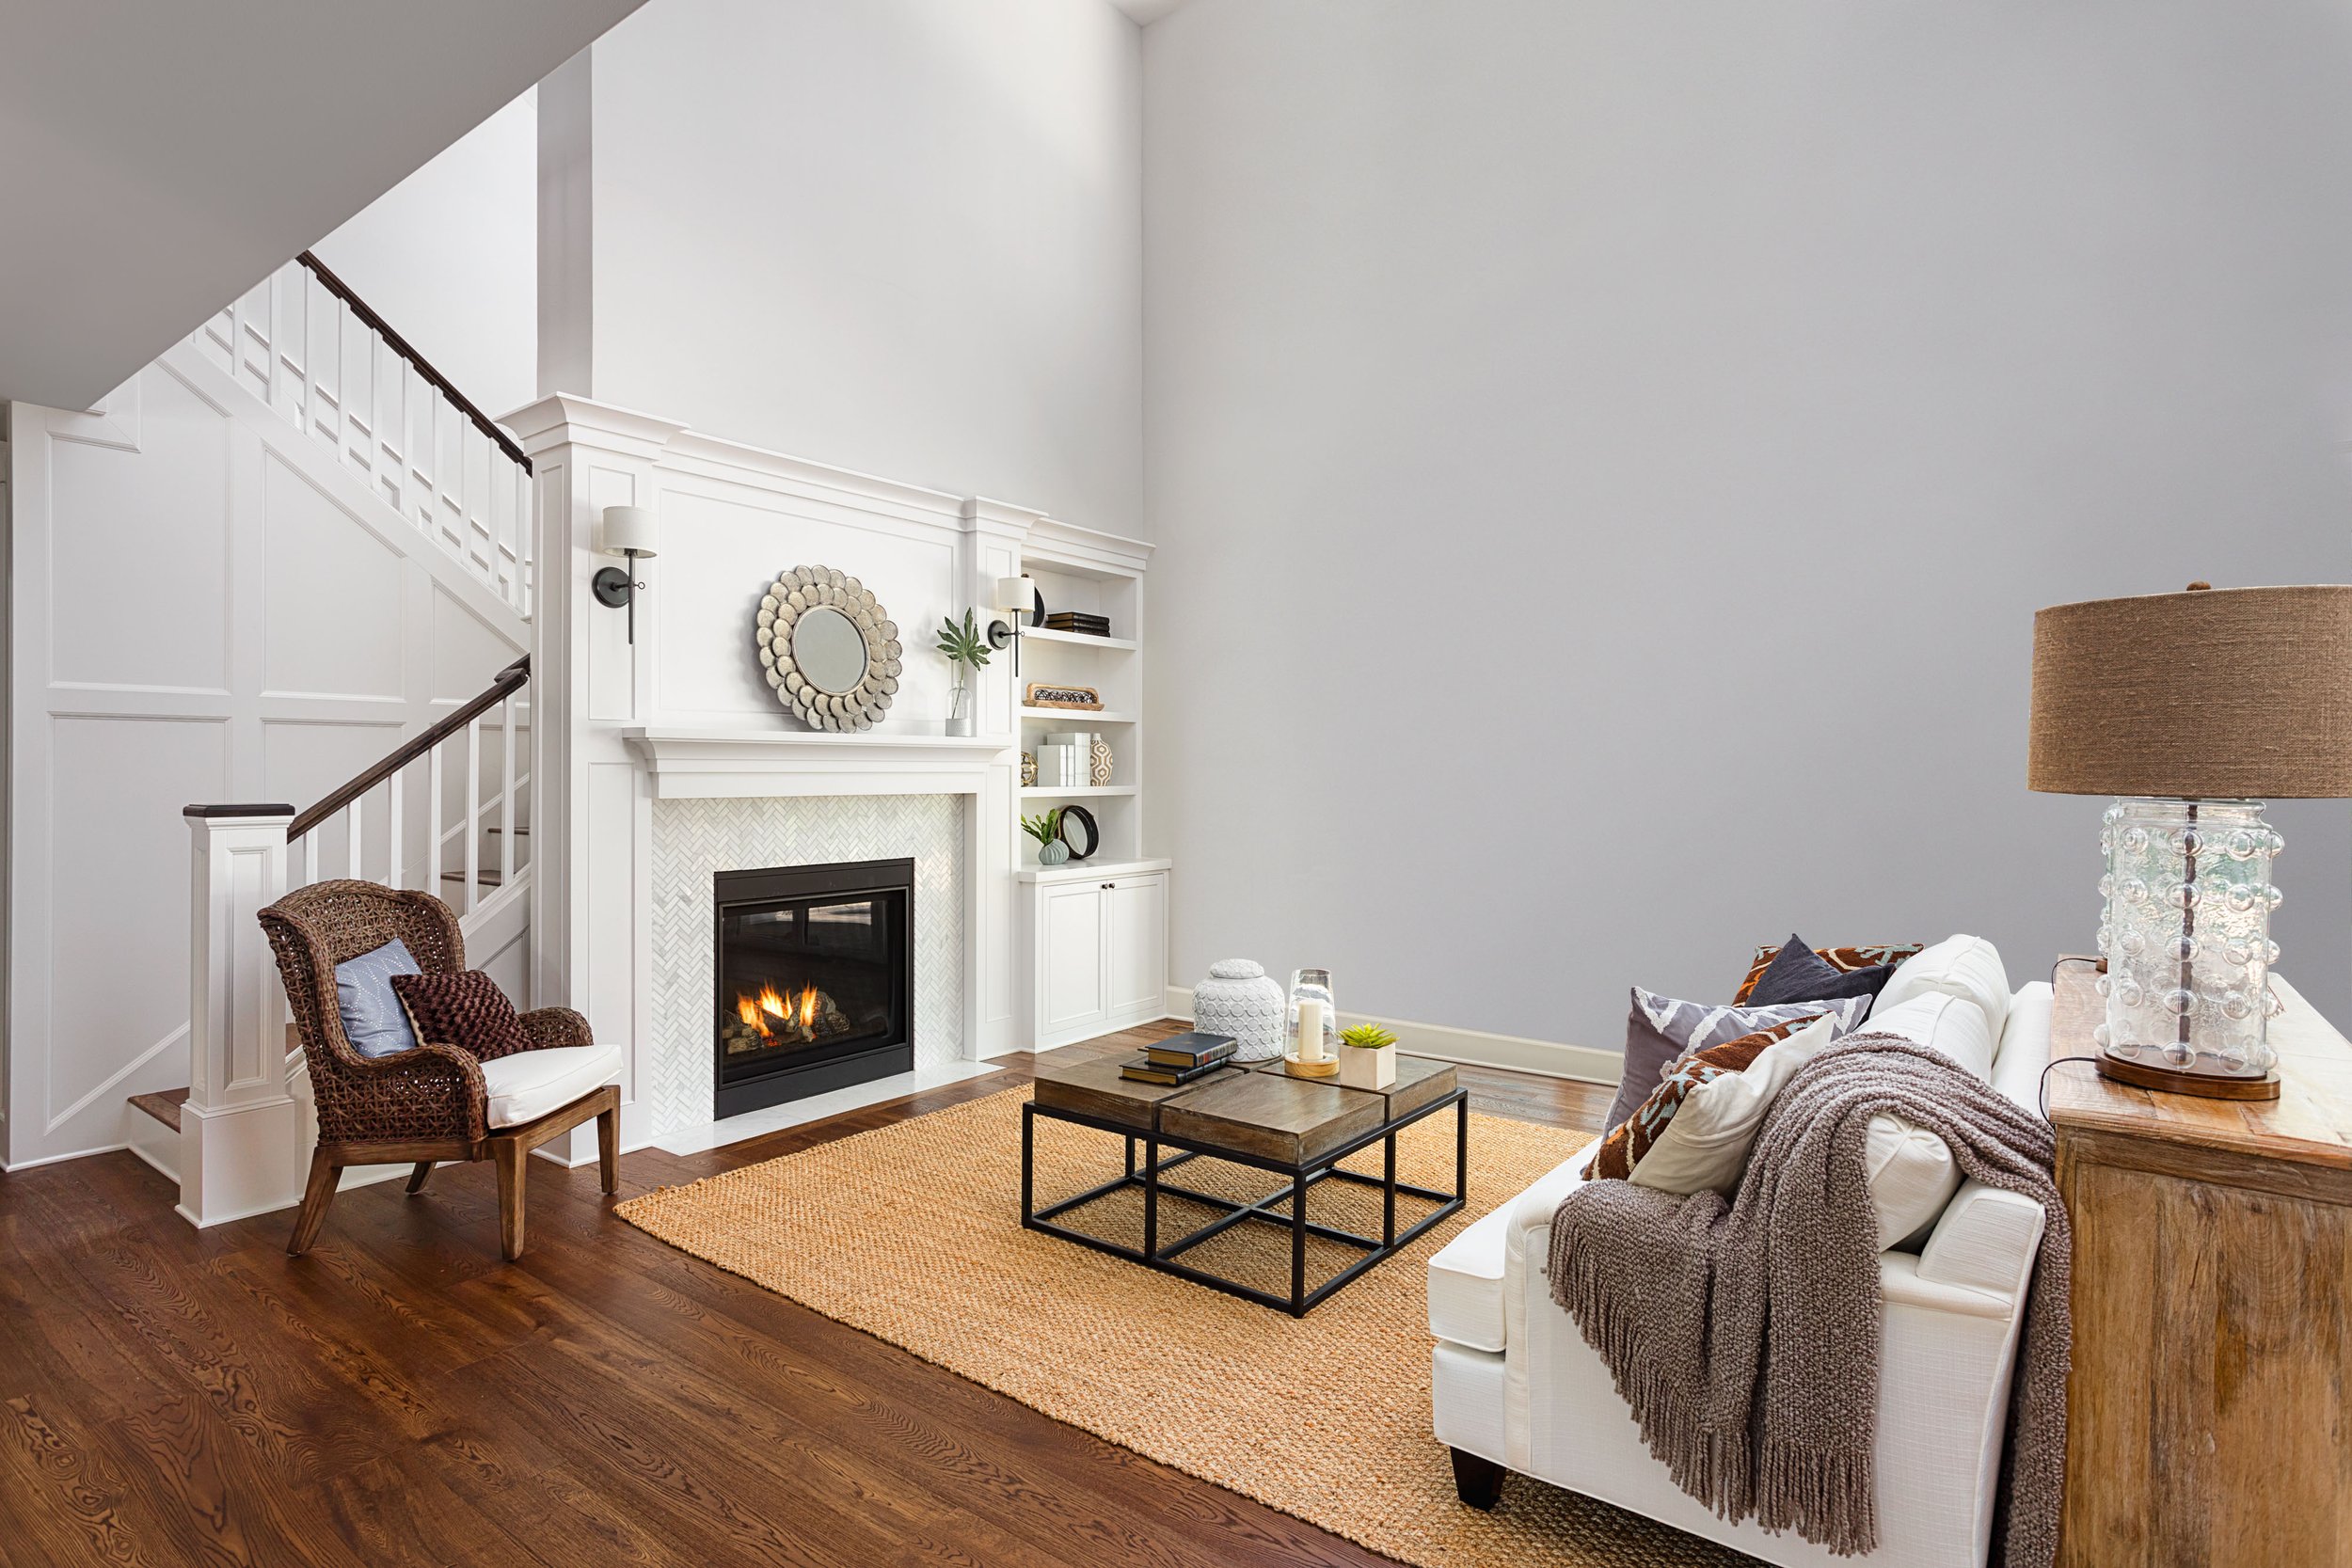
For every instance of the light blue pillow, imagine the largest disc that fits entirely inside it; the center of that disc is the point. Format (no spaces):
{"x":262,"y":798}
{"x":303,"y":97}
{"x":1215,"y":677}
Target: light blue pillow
{"x":374,"y":1021}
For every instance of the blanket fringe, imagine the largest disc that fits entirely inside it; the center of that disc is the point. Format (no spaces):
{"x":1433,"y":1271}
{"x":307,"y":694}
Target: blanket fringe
{"x":1826,"y":1497}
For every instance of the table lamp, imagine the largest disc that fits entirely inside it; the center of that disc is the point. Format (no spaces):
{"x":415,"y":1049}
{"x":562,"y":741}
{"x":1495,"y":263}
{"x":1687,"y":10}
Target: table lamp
{"x":2192,"y":708}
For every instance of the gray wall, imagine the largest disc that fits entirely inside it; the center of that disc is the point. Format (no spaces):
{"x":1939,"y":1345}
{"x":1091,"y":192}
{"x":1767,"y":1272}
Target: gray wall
{"x":1606,"y":458}
{"x":902,"y":236}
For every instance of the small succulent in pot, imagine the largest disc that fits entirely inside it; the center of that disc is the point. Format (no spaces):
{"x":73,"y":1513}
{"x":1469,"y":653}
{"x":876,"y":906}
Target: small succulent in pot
{"x":1370,"y":1063}
{"x":1046,"y":830}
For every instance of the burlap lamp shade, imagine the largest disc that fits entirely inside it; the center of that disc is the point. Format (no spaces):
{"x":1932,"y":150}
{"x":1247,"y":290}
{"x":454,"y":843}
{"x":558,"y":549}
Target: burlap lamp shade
{"x":2192,"y":708}
{"x":2213,"y":694}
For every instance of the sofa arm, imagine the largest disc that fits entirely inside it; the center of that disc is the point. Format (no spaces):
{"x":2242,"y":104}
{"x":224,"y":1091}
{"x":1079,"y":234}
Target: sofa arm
{"x":1985,"y":1241}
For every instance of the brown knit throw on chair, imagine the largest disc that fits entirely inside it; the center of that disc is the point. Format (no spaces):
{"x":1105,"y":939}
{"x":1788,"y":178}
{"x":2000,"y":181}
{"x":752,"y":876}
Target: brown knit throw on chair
{"x":1745,"y":1335}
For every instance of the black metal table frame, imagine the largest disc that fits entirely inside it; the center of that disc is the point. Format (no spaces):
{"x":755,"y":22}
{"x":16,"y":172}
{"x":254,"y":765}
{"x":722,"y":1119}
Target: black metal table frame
{"x":1325,"y":1167}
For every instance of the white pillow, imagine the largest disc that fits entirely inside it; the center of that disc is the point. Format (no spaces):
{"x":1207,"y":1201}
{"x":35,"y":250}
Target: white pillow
{"x":1706,"y":1142}
{"x":1957,"y":966}
{"x":1952,"y":1024}
{"x":1913,"y":1176}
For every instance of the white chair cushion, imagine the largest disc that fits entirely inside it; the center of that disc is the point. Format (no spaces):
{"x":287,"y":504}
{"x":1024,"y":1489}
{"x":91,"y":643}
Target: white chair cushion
{"x":1706,"y":1143}
{"x":1957,"y":966}
{"x":529,"y":1083}
{"x":1952,"y":1024}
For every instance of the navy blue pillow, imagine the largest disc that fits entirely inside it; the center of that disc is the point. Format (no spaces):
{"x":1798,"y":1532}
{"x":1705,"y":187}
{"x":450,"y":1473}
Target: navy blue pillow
{"x":374,"y":1021}
{"x":1798,"y":974}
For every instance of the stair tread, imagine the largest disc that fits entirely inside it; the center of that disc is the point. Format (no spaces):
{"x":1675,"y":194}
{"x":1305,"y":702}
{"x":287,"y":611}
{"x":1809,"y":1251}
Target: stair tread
{"x":519,"y":832}
{"x":164,"y":1105}
{"x":489,"y":877}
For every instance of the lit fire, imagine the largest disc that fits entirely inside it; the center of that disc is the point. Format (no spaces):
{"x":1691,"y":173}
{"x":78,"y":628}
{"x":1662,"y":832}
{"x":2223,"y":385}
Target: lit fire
{"x":787,"y":1008}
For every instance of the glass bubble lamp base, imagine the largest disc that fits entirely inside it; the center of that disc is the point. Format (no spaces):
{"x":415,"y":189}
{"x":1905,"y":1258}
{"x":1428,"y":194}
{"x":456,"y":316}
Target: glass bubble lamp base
{"x":2185,"y":948}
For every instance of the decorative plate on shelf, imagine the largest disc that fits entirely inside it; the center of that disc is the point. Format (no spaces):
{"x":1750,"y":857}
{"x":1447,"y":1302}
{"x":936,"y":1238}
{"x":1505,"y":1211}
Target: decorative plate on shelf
{"x":829,"y":651}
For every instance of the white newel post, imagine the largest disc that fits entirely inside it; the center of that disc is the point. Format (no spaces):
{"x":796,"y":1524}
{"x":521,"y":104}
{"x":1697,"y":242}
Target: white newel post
{"x":240,"y":1130}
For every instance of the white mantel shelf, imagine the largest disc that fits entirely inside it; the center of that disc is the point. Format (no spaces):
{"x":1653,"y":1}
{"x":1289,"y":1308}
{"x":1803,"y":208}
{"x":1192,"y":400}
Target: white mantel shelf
{"x":703,"y":764}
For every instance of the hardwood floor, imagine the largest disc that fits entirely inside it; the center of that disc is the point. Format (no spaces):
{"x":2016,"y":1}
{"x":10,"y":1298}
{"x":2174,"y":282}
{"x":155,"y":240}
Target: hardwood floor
{"x":399,"y":1396}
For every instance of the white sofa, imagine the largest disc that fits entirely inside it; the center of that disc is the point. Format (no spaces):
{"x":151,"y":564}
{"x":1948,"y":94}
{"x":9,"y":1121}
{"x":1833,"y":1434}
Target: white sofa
{"x":1517,"y":1386}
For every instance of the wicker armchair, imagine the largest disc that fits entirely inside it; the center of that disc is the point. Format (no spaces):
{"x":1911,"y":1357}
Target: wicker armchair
{"x":422,"y":1106}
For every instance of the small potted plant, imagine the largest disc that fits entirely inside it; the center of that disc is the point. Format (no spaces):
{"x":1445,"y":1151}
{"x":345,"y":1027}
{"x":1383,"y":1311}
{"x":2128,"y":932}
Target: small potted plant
{"x":1367,"y":1057}
{"x":1046,"y":830}
{"x":966,"y":650}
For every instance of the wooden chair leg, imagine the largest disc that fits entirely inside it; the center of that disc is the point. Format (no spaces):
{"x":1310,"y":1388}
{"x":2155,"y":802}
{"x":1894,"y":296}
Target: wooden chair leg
{"x":316,"y":1194}
{"x":511,"y":1159}
{"x":415,"y":1177}
{"x":1477,"y":1479}
{"x":609,"y":1146}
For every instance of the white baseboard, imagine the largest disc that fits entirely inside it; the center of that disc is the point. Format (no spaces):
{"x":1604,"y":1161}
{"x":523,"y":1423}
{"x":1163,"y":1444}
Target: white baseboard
{"x":1472,"y":1047}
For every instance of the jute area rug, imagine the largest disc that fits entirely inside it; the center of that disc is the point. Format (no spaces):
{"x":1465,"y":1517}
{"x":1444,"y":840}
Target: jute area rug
{"x":912,"y":1232}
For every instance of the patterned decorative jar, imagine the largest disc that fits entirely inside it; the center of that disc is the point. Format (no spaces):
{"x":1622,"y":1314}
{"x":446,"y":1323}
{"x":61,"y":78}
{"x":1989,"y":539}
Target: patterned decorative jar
{"x":1240,"y":999}
{"x":2185,"y":933}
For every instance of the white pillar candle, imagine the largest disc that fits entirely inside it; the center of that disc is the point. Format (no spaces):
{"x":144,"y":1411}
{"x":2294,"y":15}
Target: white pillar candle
{"x":1311,"y":1031}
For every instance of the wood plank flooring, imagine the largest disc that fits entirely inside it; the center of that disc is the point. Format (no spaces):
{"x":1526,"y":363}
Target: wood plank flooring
{"x":399,"y":1396}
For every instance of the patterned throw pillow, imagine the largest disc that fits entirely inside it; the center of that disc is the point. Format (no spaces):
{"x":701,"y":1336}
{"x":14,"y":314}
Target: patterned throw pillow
{"x":467,"y":1010}
{"x":373,"y":1019}
{"x":1623,"y":1149}
{"x":1660,"y":1030}
{"x":1840,"y":958}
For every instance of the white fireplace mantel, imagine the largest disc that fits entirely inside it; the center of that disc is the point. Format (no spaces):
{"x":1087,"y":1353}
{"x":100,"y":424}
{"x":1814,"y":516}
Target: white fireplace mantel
{"x":704,"y":764}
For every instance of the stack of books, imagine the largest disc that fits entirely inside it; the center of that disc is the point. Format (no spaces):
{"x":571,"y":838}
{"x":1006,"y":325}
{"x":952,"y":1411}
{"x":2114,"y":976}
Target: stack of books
{"x":1061,"y":765}
{"x":1078,"y":621}
{"x":1179,"y":1058}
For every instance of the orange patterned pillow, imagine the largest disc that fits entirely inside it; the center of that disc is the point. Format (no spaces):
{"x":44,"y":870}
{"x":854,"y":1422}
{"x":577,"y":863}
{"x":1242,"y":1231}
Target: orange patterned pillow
{"x":1843,"y":959}
{"x":1623,"y":1149}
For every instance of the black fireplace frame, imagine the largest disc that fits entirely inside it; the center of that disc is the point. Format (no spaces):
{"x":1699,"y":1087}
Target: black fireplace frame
{"x":788,"y":1080}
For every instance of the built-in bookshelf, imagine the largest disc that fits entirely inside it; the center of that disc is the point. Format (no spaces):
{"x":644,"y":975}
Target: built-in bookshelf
{"x":1097,"y":574}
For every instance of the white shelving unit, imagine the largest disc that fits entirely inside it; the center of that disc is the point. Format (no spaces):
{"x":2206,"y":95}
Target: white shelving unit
{"x":1095,"y":931}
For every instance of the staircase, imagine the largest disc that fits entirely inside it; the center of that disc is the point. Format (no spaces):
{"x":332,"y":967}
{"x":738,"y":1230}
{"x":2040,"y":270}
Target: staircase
{"x":448,"y":810}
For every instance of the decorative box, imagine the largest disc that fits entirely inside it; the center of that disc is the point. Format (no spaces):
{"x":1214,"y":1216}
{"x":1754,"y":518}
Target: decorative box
{"x":1240,"y":999}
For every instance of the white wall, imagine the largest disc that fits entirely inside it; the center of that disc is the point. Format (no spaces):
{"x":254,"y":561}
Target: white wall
{"x":450,"y":257}
{"x":901,"y":237}
{"x":1606,"y":457}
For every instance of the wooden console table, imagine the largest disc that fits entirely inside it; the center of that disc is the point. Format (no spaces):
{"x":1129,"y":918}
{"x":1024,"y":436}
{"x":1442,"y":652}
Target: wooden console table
{"x":2211,"y":1405}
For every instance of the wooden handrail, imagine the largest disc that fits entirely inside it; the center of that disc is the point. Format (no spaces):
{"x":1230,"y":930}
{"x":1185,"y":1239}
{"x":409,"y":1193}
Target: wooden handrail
{"x":423,"y":367}
{"x":508,"y":681}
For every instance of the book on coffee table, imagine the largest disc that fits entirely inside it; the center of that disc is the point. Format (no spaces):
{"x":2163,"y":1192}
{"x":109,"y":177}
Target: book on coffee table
{"x":1190,"y":1049}
{"x":1144,"y":1071}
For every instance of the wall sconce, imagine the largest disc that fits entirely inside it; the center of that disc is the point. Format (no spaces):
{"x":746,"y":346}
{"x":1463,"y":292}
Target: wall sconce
{"x":1014,"y":597}
{"x":627,"y":531}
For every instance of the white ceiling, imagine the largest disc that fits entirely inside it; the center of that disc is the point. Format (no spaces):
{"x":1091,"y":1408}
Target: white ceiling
{"x":1146,"y":12}
{"x":162,"y":156}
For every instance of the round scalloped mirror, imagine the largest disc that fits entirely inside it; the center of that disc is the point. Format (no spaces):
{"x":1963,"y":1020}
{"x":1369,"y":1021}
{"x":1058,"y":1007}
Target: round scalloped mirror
{"x":830,"y":653}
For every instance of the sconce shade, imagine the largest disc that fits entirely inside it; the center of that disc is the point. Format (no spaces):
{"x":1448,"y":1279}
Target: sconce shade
{"x":627,"y":529}
{"x":1014,"y":595}
{"x":2212,"y":694}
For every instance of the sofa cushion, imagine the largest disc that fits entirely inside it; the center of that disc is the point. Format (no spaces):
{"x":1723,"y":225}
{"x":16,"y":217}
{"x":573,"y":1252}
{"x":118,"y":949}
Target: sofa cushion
{"x":1465,"y":1285}
{"x":1912,"y":1175}
{"x":1840,"y":958}
{"x":2024,"y":1049}
{"x":373,"y":1019}
{"x":1798,"y":973}
{"x":1706,"y":1143}
{"x":465,"y":1009}
{"x":1623,"y":1145}
{"x":1957,"y":966}
{"x":1659,"y":1029}
{"x":1951,"y":1024}
{"x":529,"y":1083}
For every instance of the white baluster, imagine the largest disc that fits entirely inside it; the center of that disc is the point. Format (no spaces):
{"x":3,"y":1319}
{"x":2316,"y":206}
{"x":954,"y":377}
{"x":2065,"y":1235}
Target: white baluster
{"x":309,"y":857}
{"x":392,"y":855}
{"x":473,"y":813}
{"x":506,"y":793}
{"x":356,"y":835}
{"x":432,"y":822}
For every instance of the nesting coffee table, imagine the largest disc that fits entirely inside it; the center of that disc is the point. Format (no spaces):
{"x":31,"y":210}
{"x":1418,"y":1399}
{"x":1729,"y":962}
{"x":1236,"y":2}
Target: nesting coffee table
{"x":1295,"y":1129}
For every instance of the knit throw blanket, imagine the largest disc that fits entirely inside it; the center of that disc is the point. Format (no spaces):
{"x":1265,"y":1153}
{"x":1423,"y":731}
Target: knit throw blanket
{"x":1745,"y":1335}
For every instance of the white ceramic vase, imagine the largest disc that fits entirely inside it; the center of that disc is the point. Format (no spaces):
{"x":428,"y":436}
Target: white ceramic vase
{"x":1240,"y":999}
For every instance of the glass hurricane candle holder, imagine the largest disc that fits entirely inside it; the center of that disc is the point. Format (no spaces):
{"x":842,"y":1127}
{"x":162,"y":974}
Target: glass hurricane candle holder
{"x":1314,"y":1017}
{"x":2185,"y":933}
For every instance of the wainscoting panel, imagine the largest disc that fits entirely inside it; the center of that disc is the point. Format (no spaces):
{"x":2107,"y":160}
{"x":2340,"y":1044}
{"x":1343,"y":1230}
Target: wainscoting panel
{"x":692,"y":839}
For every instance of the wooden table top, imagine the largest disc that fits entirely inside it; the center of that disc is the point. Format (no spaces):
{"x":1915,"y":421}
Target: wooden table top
{"x":1266,"y":1112}
{"x":2310,"y":1123}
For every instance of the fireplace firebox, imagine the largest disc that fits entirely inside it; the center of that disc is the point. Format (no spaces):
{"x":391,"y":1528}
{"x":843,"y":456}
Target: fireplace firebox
{"x":815,"y":975}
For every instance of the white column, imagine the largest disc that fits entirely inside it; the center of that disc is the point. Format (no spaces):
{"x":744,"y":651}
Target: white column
{"x":240,"y":1132}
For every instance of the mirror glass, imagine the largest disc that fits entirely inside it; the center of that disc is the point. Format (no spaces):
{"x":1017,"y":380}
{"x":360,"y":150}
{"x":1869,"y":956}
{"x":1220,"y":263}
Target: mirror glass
{"x":829,"y":650}
{"x":1079,"y":831}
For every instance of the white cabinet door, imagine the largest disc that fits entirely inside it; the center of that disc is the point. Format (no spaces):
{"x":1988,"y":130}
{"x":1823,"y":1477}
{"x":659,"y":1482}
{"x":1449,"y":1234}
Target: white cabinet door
{"x":1137,"y":947}
{"x":1070,"y":979}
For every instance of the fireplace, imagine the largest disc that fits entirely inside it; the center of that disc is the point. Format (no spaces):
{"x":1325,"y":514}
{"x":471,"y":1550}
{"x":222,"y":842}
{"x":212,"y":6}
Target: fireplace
{"x":814,"y":980}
